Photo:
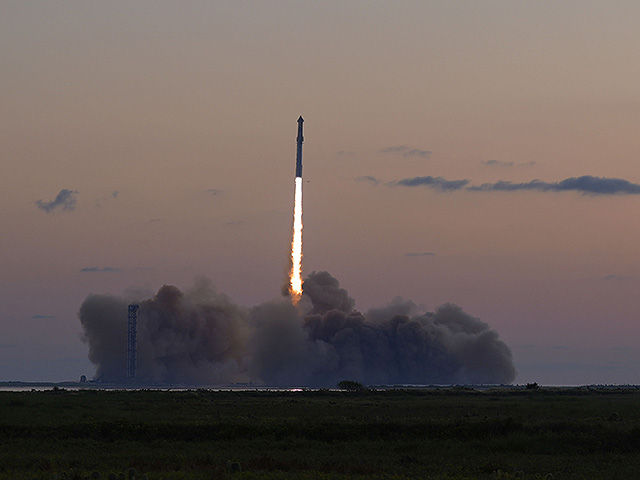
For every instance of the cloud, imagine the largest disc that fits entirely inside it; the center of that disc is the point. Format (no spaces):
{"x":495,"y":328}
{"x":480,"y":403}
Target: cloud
{"x":100,"y":202}
{"x":398,"y":149}
{"x":96,"y":269}
{"x":406,"y":151}
{"x":38,"y":317}
{"x":214,"y":191}
{"x":368,"y":178}
{"x":497,"y":163}
{"x":345,"y":152}
{"x":500,"y":163}
{"x":586,"y":184}
{"x":420,"y":254}
{"x":437,"y":183}
{"x":620,"y":278}
{"x":65,"y":201}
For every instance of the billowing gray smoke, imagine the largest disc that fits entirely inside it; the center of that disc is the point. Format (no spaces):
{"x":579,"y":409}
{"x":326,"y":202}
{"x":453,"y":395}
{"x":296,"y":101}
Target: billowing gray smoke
{"x":198,"y":337}
{"x":201,"y":337}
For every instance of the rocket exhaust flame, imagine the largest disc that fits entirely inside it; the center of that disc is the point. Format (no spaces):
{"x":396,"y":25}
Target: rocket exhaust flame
{"x":295,"y":277}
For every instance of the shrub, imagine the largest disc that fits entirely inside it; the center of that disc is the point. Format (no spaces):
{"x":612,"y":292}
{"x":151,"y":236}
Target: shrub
{"x":351,"y":386}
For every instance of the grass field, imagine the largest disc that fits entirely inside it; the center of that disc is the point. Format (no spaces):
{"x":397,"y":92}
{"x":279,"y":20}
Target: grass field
{"x":449,"y":434}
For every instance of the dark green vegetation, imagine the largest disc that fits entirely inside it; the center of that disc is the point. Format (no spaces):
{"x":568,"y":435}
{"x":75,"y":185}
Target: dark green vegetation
{"x":398,"y":434}
{"x":351,"y":386}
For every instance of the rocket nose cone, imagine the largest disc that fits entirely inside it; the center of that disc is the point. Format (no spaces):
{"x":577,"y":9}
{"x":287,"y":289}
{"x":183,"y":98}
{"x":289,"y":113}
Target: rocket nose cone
{"x":300,"y":119}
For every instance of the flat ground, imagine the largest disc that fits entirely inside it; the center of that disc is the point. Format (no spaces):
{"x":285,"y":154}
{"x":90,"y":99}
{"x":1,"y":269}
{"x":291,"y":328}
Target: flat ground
{"x":454,"y":433}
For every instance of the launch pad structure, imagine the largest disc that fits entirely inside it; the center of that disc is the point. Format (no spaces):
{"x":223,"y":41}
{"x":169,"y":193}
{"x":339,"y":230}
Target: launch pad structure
{"x":132,"y":347}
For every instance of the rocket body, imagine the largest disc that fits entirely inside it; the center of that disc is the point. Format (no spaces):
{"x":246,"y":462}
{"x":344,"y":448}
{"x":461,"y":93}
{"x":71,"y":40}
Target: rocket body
{"x":299,"y":141}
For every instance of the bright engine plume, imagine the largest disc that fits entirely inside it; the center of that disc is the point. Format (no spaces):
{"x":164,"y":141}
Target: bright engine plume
{"x":295,"y":277}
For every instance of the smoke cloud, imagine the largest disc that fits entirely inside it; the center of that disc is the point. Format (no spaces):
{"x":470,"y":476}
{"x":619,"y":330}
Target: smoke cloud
{"x":202,"y":337}
{"x":64,"y":201}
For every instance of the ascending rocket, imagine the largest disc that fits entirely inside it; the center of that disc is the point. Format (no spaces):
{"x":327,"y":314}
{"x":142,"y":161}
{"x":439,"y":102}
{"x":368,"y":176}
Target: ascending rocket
{"x":300,"y":139}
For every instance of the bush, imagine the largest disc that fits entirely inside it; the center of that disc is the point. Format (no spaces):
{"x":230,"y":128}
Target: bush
{"x":351,"y":386}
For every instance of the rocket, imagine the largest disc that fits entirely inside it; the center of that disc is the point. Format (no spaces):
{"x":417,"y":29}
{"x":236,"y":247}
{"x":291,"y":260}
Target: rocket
{"x":299,"y":140}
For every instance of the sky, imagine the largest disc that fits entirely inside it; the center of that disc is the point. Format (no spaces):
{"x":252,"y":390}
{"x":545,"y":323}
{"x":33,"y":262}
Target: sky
{"x":483,"y":153}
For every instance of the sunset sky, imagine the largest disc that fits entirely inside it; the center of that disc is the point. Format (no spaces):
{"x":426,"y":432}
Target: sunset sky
{"x":484,"y":153}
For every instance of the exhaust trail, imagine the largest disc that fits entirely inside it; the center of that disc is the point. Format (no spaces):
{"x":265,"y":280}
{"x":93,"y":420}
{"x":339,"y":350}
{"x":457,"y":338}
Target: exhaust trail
{"x":295,"y":277}
{"x":296,"y":246}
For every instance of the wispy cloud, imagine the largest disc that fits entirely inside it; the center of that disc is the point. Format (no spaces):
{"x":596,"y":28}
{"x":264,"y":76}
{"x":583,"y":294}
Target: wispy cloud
{"x":65,"y":201}
{"x":420,"y":254}
{"x":586,"y":184}
{"x":398,"y":149}
{"x":621,"y":278}
{"x":437,"y":183}
{"x":342,"y":153}
{"x":530,"y":346}
{"x":369,"y":179}
{"x":497,"y":163}
{"x":406,"y":151}
{"x":500,"y":163}
{"x":45,"y":317}
{"x":96,"y":269}
{"x":214,"y":191}
{"x":101,"y":202}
